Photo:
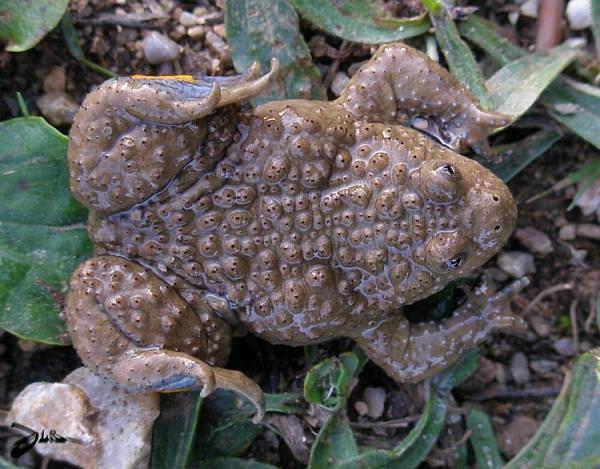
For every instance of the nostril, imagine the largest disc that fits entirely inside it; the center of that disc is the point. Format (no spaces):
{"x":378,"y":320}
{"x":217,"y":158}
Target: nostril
{"x":495,"y":198}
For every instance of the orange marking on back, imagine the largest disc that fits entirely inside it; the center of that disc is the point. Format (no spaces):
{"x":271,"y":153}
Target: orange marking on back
{"x":186,"y":78}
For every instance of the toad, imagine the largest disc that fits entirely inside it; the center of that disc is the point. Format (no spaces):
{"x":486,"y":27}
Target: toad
{"x":300,"y":221}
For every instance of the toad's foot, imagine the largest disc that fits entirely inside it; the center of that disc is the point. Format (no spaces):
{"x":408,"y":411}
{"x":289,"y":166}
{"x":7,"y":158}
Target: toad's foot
{"x":158,"y":370}
{"x":129,"y":325}
{"x":402,"y":85}
{"x":414,"y":352}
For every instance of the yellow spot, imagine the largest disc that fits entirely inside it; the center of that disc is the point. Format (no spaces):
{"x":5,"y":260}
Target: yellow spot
{"x":186,"y":78}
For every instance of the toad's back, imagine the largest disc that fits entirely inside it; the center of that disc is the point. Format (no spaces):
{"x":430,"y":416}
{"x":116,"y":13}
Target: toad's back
{"x":312,"y":225}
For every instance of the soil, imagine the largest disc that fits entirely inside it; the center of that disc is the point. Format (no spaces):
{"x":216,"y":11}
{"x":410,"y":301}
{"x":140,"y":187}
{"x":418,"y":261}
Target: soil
{"x":110,"y":33}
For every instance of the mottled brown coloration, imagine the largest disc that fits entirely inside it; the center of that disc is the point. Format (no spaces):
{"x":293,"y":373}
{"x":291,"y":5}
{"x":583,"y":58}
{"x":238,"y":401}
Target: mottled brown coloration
{"x":300,"y":221}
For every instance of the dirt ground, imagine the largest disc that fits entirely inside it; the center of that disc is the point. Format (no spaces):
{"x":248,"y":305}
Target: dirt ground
{"x":519,"y":375}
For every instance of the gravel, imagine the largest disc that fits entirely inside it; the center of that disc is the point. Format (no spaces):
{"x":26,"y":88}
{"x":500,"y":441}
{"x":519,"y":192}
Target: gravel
{"x":517,"y":263}
{"x":519,"y":368}
{"x":158,"y":48}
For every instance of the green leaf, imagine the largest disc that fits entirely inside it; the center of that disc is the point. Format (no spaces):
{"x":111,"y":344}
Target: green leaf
{"x":326,"y":383}
{"x":234,"y":463}
{"x":418,"y":443}
{"x":573,"y":104}
{"x":516,"y":156}
{"x":570,"y":433}
{"x":457,"y":373}
{"x":284,"y":403}
{"x":22,"y":26}
{"x":258,"y":30}
{"x":577,"y":107}
{"x":459,"y":57}
{"x":335,"y":443}
{"x":585,"y":176}
{"x":6,"y":464}
{"x":42,"y":229}
{"x":359,"y":21}
{"x":483,"y":440}
{"x":175,"y":430}
{"x":225,"y":427}
{"x":481,"y":32}
{"x":516,"y":86}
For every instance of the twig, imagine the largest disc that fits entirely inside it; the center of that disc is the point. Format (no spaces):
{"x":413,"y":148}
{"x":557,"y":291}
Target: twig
{"x":510,"y":393}
{"x":574,"y":328}
{"x":129,"y":20}
{"x":398,"y":423}
{"x":589,"y":321}
{"x":550,"y":15}
{"x":547,"y":291}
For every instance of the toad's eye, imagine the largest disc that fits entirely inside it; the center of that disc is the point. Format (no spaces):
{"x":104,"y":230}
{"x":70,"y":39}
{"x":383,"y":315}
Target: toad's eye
{"x":448,"y":169}
{"x":454,"y":262}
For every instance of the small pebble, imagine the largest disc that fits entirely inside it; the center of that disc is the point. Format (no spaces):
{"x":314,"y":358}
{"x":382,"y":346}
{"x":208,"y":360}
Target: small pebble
{"x":501,"y":374}
{"x":516,"y":263}
{"x":361,"y":408}
{"x":375,"y":400}
{"x":589,"y":231}
{"x":519,"y":368}
{"x":516,"y":434}
{"x":187,"y":19}
{"x":158,"y":48}
{"x":579,"y":14}
{"x":339,"y":82}
{"x":197,"y":32}
{"x":56,"y":80}
{"x":543,"y":366}
{"x":58,"y":108}
{"x":218,"y":46}
{"x":565,"y":347}
{"x":497,"y":275}
{"x":529,"y":8}
{"x":540,"y":325}
{"x":535,"y":240}
{"x":567,"y":232}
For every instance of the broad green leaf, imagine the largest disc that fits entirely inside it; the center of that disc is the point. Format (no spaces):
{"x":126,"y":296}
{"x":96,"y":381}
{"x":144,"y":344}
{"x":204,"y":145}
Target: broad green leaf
{"x":596,"y":25}
{"x":42,"y":229}
{"x":175,"y":430}
{"x":24,"y":24}
{"x":234,"y":463}
{"x":570,"y":433}
{"x":335,"y":443}
{"x":516,"y":86}
{"x":74,"y":48}
{"x":577,"y":107}
{"x":459,"y":57}
{"x":258,"y":30}
{"x":326,"y":382}
{"x":516,"y":156}
{"x":359,"y":21}
{"x":225,"y":426}
{"x":483,"y":440}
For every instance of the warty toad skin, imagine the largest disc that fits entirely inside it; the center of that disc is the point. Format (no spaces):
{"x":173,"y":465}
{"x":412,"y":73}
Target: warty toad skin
{"x":299,"y":221}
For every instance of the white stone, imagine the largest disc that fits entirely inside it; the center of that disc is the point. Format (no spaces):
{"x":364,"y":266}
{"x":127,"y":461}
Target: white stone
{"x":579,"y":14}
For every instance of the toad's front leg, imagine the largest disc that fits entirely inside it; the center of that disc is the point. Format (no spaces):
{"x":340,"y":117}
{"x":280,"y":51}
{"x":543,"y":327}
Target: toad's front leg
{"x":414,"y":352}
{"x":402,"y":85}
{"x":132,"y":327}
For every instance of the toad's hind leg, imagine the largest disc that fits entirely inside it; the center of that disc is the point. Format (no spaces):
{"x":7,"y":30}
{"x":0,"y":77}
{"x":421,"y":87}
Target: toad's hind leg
{"x":132,"y":327}
{"x":401,"y":84}
{"x":414,"y":352}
